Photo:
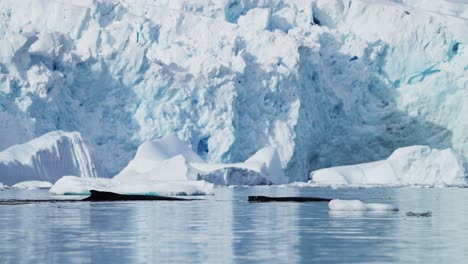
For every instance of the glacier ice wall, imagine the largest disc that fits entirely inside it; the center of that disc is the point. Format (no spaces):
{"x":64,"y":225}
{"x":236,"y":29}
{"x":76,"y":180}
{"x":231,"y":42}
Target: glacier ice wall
{"x":327,"y":82}
{"x":48,"y":158}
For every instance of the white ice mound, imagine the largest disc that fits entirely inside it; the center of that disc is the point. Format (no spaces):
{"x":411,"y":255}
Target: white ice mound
{"x":170,"y":159}
{"x":2,"y":187}
{"x":31,"y":185}
{"x":356,"y":205}
{"x":47,"y":158}
{"x":72,"y":185}
{"x":164,"y":159}
{"x":415,"y":165}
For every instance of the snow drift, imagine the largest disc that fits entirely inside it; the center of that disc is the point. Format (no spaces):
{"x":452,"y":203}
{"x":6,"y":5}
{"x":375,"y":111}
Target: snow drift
{"x":326,"y":82}
{"x":415,"y":165}
{"x":47,"y":158}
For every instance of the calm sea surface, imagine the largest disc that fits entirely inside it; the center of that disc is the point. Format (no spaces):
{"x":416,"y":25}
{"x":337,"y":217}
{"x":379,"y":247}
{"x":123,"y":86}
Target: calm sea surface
{"x":225,"y":228}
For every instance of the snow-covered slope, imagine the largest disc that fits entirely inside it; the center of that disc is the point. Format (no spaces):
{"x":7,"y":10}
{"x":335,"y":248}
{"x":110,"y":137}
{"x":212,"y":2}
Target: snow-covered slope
{"x":47,"y":158}
{"x":416,"y":165}
{"x":326,"y":82}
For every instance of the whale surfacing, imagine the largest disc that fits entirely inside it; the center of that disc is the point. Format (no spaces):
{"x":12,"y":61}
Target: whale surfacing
{"x":99,"y":196}
{"x":262,"y":199}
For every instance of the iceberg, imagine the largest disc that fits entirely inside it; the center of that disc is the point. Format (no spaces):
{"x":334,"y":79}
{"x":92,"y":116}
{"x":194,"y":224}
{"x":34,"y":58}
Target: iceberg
{"x":168,"y":166}
{"x":170,"y":159}
{"x":414,"y":165}
{"x":357,"y":205}
{"x":31,"y":185}
{"x":48,"y":158}
{"x":3,"y":187}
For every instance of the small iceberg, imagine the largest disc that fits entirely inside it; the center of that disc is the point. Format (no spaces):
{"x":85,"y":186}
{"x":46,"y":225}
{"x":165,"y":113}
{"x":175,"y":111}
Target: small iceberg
{"x":72,"y":185}
{"x":168,"y":166}
{"x":170,"y":159}
{"x":31,"y":185}
{"x":47,"y":158}
{"x":415,"y":165}
{"x":357,"y":205}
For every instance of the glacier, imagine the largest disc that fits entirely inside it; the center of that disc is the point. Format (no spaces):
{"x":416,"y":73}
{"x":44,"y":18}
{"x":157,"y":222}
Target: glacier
{"x":325,"y":82}
{"x":409,"y":166}
{"x":48,"y":158}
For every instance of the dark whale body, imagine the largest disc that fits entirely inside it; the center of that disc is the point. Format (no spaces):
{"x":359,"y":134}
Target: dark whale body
{"x":263,"y":199}
{"x":98,"y":196}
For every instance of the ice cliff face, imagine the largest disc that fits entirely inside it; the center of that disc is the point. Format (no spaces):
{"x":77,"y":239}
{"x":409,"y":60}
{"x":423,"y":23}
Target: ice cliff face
{"x":327,"y":82}
{"x":48,"y":158}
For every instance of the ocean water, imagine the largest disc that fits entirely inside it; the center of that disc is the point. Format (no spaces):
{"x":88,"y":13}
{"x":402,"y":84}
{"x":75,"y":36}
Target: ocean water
{"x":225,"y":228}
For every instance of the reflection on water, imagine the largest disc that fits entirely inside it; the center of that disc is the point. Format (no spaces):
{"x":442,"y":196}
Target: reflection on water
{"x":226,"y":228}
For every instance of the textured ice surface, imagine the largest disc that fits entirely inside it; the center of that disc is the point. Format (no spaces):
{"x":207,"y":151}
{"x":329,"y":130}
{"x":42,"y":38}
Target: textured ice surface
{"x":327,"y":82}
{"x":356,"y":205}
{"x":415,"y":165}
{"x":47,"y":158}
{"x":31,"y":185}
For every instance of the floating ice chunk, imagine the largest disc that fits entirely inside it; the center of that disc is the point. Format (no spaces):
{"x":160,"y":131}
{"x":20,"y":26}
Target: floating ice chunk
{"x":2,"y":187}
{"x":29,"y":185}
{"x":357,"y":205}
{"x":170,"y":159}
{"x":72,"y":185}
{"x":264,"y":167}
{"x":415,"y":165}
{"x":48,"y":158}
